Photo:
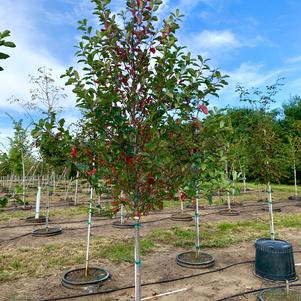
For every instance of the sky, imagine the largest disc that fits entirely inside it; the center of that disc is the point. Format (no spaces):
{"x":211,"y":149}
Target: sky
{"x":254,"y":42}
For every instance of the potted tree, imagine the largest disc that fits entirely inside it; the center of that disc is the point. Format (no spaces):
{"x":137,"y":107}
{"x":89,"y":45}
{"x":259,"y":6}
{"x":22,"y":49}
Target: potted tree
{"x":135,"y":80}
{"x":274,"y":258}
{"x":53,"y":147}
{"x":206,"y":176}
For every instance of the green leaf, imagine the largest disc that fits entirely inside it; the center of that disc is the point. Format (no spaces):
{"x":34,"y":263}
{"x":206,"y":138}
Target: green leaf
{"x":4,"y":34}
{"x":3,"y":56}
{"x":9,"y":44}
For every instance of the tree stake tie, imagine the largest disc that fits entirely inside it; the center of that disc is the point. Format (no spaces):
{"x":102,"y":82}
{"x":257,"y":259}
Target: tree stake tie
{"x":138,"y":263}
{"x":137,"y":225}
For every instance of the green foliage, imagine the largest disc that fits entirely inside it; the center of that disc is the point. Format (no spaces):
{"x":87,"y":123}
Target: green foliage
{"x":3,"y":202}
{"x":4,"y":43}
{"x":19,"y":151}
{"x":135,"y":83}
{"x":259,"y":98}
{"x":5,"y":167}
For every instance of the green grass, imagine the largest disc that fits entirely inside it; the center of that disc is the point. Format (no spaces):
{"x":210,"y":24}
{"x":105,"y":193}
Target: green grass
{"x":16,"y":263}
{"x":8,"y":215}
{"x":54,"y":212}
{"x":275,"y":187}
{"x":122,"y":251}
{"x":217,"y":235}
{"x":288,"y":221}
{"x":223,"y":234}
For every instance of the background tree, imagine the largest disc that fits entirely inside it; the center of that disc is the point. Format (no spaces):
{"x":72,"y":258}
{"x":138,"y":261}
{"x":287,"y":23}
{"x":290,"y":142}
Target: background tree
{"x":19,"y":154}
{"x":265,"y":141}
{"x":292,"y":129}
{"x":46,"y":97}
{"x":4,"y":43}
{"x":53,"y":146}
{"x":5,"y":168}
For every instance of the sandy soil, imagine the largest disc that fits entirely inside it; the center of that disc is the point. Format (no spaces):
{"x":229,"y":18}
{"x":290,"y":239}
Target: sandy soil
{"x":159,"y":266}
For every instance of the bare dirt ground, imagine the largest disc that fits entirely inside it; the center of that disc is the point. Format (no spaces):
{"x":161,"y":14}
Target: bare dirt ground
{"x":159,"y":266}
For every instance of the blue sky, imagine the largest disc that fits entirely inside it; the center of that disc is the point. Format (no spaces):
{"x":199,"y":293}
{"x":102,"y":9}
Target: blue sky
{"x":253,"y":41}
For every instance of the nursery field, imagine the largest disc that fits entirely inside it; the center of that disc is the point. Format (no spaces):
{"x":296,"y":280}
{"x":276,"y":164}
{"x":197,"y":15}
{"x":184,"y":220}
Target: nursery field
{"x":31,"y":267}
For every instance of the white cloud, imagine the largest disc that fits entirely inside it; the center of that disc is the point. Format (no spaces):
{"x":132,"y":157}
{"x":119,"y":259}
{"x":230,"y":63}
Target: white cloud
{"x":186,"y":5}
{"x":30,"y":54}
{"x":77,"y":10}
{"x":293,"y":60}
{"x":252,"y":75}
{"x":26,"y":58}
{"x":216,"y":39}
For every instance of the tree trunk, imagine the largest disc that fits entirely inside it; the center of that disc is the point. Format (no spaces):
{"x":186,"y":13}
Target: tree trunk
{"x":67,"y":189}
{"x":47,"y":201}
{"x":89,"y":232}
{"x":76,"y":188}
{"x":38,"y":201}
{"x":244,"y":181}
{"x":228,"y":193}
{"x":197,"y":229}
{"x":137,"y":261}
{"x":228,"y":200}
{"x":270,"y":202}
{"x":233,"y":192}
{"x":121,"y":215}
{"x":295,"y":180}
{"x":53,"y":182}
{"x":23,"y":179}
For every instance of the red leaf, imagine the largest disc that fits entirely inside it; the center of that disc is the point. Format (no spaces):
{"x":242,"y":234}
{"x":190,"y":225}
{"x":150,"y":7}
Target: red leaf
{"x":183,"y":196}
{"x":92,"y":172}
{"x":153,"y":50}
{"x":204,"y":109}
{"x":115,"y":203}
{"x":129,"y":160}
{"x":73,"y":152}
{"x":151,"y":180}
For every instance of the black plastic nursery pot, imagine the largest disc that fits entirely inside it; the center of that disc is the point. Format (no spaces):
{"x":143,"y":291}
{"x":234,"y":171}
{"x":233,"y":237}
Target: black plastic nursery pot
{"x":76,"y":278}
{"x":279,"y":294}
{"x":125,"y":225}
{"x":229,"y":212}
{"x":266,"y":208}
{"x":191,"y":260}
{"x":274,"y":260}
{"x":294,"y":198}
{"x":181,"y":217}
{"x":190,"y":206}
{"x":46,"y":232}
{"x":32,"y":219}
{"x":27,"y":207}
